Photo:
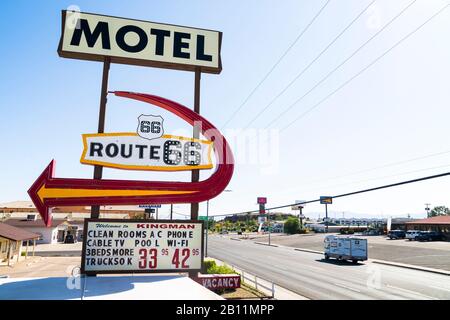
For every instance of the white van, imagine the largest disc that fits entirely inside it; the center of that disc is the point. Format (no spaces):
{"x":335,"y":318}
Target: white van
{"x":412,"y":234}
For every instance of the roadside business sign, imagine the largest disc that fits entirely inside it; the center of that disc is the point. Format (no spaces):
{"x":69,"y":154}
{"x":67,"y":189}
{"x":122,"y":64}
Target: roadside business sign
{"x":93,"y":37}
{"x":131,"y":152}
{"x":48,"y":191}
{"x":220,"y":281}
{"x":261,"y":200}
{"x":141,"y":246}
{"x":262,"y":219}
{"x":326,"y":200}
{"x":301,"y":205}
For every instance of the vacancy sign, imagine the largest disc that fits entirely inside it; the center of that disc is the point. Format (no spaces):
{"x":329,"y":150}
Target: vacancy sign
{"x":93,"y":37}
{"x":131,"y":246}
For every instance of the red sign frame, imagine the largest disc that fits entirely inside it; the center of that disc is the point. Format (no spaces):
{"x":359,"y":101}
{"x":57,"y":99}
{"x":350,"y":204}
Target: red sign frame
{"x":48,"y":191}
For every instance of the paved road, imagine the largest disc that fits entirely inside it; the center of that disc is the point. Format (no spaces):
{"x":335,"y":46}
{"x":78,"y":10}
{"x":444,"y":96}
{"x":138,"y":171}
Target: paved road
{"x":433,"y":254}
{"x":308,"y":275}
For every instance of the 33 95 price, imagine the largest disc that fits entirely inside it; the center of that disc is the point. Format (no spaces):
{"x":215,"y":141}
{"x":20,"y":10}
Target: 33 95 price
{"x":148,"y":258}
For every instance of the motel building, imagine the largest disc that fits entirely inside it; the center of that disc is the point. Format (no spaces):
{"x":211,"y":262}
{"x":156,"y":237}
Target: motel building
{"x":12,"y":243}
{"x":66,"y":220}
{"x":439,"y":224}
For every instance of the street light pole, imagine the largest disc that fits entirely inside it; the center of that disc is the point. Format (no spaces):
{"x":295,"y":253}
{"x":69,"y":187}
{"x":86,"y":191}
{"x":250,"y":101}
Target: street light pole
{"x":428,"y":209}
{"x":207,"y":224}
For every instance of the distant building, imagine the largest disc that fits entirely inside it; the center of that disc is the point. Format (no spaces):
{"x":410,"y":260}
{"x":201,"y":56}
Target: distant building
{"x":11,"y":242}
{"x":439,"y":224}
{"x":47,"y":235}
{"x":400,"y":223}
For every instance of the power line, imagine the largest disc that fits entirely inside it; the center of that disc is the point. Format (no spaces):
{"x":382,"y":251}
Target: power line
{"x":345,"y":194}
{"x":277,"y":62}
{"x":343,"y":62}
{"x":384,"y":177}
{"x":381,"y":167}
{"x":366,"y":68}
{"x":310,"y":64}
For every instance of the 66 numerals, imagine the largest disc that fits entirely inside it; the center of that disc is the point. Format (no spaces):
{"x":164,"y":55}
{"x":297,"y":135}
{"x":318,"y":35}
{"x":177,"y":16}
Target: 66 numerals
{"x":148,"y":258}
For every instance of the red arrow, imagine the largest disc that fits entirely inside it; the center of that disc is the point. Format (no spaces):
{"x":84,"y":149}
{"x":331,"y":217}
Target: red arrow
{"x":48,"y":191}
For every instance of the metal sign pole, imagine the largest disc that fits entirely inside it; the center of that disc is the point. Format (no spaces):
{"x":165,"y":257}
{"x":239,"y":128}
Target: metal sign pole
{"x":195,"y":177}
{"x":301,"y":218}
{"x":207,"y":228}
{"x":326,"y":218}
{"x":98,"y":170}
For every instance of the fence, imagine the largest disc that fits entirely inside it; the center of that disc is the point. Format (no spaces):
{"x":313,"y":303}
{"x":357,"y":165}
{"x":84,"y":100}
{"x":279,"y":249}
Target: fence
{"x":254,"y":279}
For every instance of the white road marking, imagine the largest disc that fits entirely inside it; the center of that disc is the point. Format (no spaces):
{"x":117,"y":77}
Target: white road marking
{"x":439,"y":288}
{"x":411,"y":292}
{"x":345,"y":287}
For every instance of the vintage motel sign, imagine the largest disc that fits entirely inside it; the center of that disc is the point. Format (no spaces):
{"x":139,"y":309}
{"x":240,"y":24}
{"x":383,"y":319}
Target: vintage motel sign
{"x":138,"y":246}
{"x":48,"y":191}
{"x":89,"y":36}
{"x":128,"y":150}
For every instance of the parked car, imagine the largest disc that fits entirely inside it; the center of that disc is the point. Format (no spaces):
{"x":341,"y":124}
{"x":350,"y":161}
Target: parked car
{"x":412,"y":234}
{"x":396,"y":234}
{"x":70,"y":239}
{"x":430,"y":236}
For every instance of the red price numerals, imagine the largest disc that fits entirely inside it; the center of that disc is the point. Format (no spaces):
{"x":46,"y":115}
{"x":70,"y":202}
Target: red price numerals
{"x":148,"y":258}
{"x":185,"y":253}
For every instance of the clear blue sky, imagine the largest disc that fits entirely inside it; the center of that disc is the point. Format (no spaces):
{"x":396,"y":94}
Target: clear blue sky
{"x":397,"y":110}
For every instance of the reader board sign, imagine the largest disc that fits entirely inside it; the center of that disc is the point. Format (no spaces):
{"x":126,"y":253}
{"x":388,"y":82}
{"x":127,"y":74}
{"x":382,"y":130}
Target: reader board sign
{"x":129,"y":151}
{"x":141,"y":246}
{"x":89,"y":36}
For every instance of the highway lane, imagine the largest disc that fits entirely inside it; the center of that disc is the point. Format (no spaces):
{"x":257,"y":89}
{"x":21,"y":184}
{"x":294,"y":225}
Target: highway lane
{"x":308,"y":275}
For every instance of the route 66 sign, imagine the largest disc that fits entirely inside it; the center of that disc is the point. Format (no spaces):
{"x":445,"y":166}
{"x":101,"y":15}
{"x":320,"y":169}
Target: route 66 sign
{"x":150,"y":126}
{"x":147,"y":149}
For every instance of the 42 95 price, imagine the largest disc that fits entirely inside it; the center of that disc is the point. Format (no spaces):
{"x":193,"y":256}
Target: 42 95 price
{"x":148,"y":258}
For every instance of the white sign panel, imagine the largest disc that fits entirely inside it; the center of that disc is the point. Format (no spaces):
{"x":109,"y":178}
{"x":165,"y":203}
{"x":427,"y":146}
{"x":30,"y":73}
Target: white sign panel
{"x":297,"y":207}
{"x":93,"y":37}
{"x":130,"y":151}
{"x":119,"y":246}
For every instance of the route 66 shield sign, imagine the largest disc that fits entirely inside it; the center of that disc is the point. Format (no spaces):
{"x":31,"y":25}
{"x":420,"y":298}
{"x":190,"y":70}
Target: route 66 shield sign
{"x":150,"y":127}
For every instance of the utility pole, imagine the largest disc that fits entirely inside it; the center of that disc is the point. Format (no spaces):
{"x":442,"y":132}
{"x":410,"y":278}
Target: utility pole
{"x":428,"y":209}
{"x":268,"y":223}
